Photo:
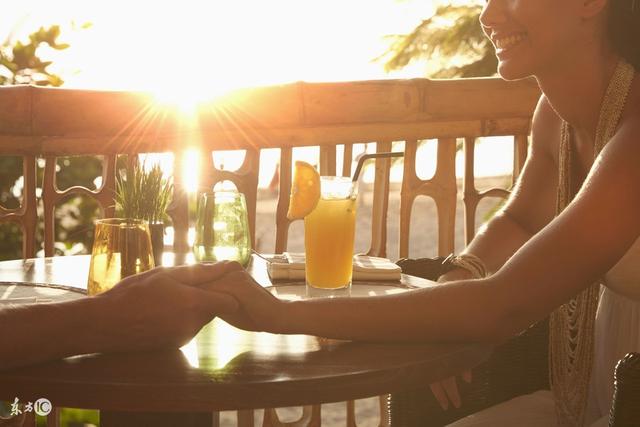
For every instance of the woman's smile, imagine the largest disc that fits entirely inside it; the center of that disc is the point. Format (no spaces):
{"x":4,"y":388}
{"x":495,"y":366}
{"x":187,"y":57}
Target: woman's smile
{"x":508,"y":42}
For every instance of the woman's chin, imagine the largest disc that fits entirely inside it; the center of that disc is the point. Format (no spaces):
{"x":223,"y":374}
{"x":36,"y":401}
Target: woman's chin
{"x":509,"y":70}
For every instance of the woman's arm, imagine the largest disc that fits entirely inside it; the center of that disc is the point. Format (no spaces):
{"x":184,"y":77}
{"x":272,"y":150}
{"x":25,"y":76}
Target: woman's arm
{"x":162,"y":308}
{"x":531,"y":205}
{"x":570,"y":253}
{"x":529,"y":208}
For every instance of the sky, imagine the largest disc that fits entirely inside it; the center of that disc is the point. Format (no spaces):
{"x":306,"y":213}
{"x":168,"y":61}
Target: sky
{"x":208,"y":47}
{"x":219,"y":44}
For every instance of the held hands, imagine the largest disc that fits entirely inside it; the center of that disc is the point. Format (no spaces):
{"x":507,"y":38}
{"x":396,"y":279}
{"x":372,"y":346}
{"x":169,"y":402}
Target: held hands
{"x":162,"y":308}
{"x":258,"y":310}
{"x":166,"y":307}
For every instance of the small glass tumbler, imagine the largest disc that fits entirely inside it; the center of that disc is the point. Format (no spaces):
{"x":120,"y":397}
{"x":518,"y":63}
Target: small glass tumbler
{"x":222,"y":228}
{"x":121,"y":248}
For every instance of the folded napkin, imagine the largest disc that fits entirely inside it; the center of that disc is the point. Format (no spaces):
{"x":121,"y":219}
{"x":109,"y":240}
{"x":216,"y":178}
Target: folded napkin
{"x":290,"y":266}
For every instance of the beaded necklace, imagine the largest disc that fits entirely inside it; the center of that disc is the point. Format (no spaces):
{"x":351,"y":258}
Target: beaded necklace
{"x":571,"y":331}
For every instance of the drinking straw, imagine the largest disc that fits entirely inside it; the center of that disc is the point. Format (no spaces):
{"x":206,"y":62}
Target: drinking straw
{"x":366,"y":157}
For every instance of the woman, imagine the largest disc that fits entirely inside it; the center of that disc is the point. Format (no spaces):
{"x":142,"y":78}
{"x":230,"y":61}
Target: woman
{"x":584,"y":154}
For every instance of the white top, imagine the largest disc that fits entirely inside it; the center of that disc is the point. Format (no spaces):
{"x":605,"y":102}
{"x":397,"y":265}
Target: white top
{"x":617,"y":333}
{"x":617,"y":327}
{"x":624,"y":277}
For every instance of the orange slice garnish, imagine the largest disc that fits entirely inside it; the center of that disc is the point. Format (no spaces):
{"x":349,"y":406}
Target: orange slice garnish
{"x":305,"y":190}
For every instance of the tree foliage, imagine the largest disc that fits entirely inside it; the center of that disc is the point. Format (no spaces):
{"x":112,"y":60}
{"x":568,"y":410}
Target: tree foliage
{"x":453,"y":37}
{"x":20,"y":63}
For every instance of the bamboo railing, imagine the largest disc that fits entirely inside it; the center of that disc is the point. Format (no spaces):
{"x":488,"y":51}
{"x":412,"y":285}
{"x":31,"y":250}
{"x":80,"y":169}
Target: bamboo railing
{"x":49,"y":123}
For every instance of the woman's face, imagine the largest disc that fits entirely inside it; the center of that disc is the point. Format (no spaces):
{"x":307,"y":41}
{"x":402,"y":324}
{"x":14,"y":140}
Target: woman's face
{"x":530,"y":36}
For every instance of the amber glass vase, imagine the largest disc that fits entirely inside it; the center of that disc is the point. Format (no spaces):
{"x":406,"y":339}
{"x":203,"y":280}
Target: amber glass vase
{"x":121,"y":248}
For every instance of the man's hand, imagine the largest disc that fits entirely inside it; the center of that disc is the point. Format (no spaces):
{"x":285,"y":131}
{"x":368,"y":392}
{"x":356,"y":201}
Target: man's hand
{"x":163,"y":307}
{"x":159,"y":309}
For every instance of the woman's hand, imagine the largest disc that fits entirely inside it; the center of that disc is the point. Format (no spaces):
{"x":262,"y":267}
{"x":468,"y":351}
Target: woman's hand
{"x":161,"y":308}
{"x":446,"y":391}
{"x":258,"y":309}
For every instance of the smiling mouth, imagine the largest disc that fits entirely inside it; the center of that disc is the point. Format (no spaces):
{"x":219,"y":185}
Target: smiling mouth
{"x":505,"y":43}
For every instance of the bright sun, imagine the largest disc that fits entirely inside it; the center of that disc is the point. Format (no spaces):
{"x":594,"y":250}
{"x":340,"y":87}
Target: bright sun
{"x":192,"y":51}
{"x":214,"y":46}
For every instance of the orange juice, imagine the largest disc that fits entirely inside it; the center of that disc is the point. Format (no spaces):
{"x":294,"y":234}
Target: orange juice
{"x":329,"y":232}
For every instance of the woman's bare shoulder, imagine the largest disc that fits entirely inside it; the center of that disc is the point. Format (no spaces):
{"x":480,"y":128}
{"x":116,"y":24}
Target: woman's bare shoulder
{"x":546,"y":120}
{"x":545,"y":128}
{"x":545,"y":112}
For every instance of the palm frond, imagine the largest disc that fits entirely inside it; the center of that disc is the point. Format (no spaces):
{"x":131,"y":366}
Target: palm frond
{"x":452,"y":32}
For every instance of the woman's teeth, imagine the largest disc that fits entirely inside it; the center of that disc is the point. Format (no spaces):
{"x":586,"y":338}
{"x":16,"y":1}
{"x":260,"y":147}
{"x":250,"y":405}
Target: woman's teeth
{"x":510,"y":41}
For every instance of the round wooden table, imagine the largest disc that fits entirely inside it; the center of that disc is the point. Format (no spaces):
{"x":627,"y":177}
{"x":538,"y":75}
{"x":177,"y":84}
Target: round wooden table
{"x":222,"y":368}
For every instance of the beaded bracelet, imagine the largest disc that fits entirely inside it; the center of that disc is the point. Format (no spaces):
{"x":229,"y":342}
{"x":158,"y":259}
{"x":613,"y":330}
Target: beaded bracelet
{"x":469,"y":262}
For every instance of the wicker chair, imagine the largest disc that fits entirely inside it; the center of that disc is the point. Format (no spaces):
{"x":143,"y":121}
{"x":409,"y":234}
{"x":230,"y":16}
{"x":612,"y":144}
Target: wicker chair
{"x":518,"y":367}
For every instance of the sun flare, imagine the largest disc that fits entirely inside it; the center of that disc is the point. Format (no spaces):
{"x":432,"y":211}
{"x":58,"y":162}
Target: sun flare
{"x":187,"y":98}
{"x":192,"y":52}
{"x":191,"y":170}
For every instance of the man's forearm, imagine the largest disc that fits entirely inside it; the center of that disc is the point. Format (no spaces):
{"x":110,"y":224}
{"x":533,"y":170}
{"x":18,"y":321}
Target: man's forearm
{"x":35,"y":333}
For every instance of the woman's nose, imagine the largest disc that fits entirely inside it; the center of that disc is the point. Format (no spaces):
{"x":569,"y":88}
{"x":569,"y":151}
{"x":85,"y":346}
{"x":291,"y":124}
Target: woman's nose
{"x":493,"y":13}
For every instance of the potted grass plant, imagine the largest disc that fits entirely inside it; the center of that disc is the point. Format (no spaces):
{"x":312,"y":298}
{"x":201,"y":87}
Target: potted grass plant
{"x":145,"y":194}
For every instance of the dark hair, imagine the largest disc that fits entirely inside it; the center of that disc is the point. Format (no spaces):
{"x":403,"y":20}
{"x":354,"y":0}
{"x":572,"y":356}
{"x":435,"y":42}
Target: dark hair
{"x":624,"y":29}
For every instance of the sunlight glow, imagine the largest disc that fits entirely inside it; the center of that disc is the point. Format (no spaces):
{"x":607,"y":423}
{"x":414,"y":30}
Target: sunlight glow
{"x":183,"y":100}
{"x":211,"y":47}
{"x":230,"y":345}
{"x":269,"y":344}
{"x":191,"y":170}
{"x":190,"y":352}
{"x":192,"y":52}
{"x":164,"y":160}
{"x":230,"y":160}
{"x":186,"y":97}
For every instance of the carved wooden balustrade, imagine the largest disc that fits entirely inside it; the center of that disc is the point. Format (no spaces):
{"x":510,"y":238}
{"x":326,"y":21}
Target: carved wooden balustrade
{"x":46,"y":123}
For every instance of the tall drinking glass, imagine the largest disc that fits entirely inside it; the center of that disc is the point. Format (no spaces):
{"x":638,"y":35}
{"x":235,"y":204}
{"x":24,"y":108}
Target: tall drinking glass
{"x":329,"y":232}
{"x":121,"y":248}
{"x":222,"y":228}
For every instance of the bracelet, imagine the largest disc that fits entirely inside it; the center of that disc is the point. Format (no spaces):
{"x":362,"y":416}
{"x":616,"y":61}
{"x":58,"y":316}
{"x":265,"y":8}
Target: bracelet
{"x":471,"y":263}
